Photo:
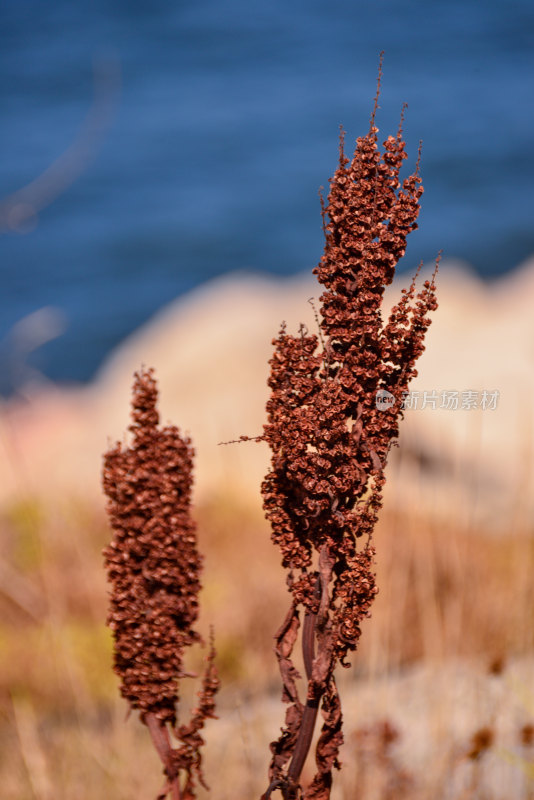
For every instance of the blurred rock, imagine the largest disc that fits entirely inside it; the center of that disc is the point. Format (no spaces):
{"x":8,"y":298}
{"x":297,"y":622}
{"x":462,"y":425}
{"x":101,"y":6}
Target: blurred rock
{"x":210,"y":351}
{"x":477,"y":463}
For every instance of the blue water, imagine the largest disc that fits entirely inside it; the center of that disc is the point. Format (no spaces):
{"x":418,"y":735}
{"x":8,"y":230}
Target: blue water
{"x":224,"y":128}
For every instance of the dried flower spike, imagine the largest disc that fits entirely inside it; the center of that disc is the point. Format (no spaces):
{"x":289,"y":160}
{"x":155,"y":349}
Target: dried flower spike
{"x":330,"y":438}
{"x":154,"y":570}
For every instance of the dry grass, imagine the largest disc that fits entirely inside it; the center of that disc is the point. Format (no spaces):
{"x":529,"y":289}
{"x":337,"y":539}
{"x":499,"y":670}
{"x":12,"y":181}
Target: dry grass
{"x":449,"y":596}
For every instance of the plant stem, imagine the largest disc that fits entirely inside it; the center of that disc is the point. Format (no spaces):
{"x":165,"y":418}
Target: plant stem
{"x":304,"y":739}
{"x":309,"y":715}
{"x":162,"y":743}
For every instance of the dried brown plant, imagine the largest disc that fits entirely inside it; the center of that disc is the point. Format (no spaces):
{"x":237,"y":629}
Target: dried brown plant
{"x":333,"y":415}
{"x":154,"y":569}
{"x":330,"y":437}
{"x":481,"y":741}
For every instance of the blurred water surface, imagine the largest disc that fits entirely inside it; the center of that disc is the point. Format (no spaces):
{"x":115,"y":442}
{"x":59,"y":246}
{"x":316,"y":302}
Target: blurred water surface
{"x":224,"y":128}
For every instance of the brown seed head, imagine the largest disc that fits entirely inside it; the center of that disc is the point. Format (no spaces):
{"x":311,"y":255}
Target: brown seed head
{"x":526,"y":734}
{"x":330,"y":437}
{"x":153,"y":564}
{"x":481,"y":741}
{"x":329,"y":440}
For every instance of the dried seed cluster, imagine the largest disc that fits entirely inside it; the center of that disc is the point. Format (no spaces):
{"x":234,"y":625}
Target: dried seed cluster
{"x":329,"y":440}
{"x":154,"y":570}
{"x":153,"y":564}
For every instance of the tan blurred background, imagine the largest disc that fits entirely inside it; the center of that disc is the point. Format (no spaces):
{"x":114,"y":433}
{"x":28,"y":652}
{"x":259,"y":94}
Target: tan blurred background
{"x":439,"y":700}
{"x":148,"y":151}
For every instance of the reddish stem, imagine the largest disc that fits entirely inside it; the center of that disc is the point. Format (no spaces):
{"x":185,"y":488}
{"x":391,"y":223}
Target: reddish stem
{"x":304,"y":740}
{"x":162,"y":743}
{"x":309,"y":715}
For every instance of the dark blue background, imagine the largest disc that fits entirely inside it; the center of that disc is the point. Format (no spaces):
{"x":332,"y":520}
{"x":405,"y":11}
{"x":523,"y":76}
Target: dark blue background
{"x":227,"y":124}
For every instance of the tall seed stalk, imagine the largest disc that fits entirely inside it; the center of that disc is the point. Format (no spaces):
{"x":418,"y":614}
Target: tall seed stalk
{"x":153,"y":567}
{"x":330,"y":433}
